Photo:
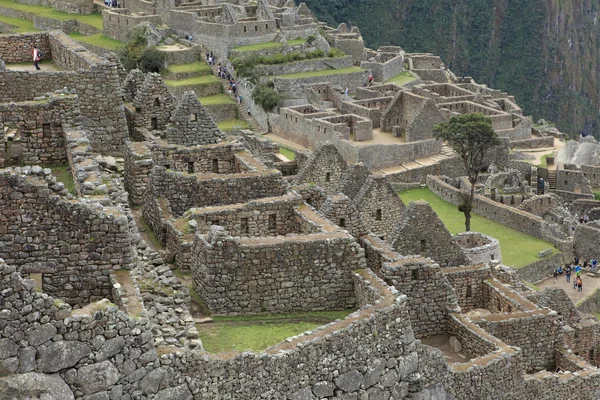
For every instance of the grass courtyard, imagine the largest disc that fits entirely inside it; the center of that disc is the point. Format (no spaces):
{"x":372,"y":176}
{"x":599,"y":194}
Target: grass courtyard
{"x":230,"y":124}
{"x":402,"y":78}
{"x":325,"y":72}
{"x":22,"y":25}
{"x":259,"y":46}
{"x":258,"y":332}
{"x":518,"y":249}
{"x":97,"y":40}
{"x":94,"y":20}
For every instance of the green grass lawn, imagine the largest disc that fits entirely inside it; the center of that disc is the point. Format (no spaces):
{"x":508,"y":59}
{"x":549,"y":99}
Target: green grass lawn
{"x":230,"y":124}
{"x":324,"y":72}
{"x":97,"y":40}
{"x":191,"y":67}
{"x":402,"y":78}
{"x":63,"y":174}
{"x":216,"y":99}
{"x":23,"y":25}
{"x":258,"y":332}
{"x":260,"y":46}
{"x":197,"y":80}
{"x":518,"y":249}
{"x":296,"y":42}
{"x":94,"y":20}
{"x":288,"y":153}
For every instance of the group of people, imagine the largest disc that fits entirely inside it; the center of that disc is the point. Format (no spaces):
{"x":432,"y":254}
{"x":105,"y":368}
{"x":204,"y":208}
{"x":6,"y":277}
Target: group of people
{"x":223,"y":73}
{"x":210,"y":58}
{"x":111,"y":3}
{"x":575,"y":268}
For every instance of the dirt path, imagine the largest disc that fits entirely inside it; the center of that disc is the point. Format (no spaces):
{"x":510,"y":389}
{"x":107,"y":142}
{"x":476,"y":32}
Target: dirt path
{"x":589,"y":285}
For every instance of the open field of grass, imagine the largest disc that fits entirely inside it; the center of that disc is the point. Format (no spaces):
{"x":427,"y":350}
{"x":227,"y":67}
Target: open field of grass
{"x":518,"y":249}
{"x":94,"y":20}
{"x":216,"y":99}
{"x":296,"y":42}
{"x":260,"y":46}
{"x":198,"y":66}
{"x":198,"y":80}
{"x":23,"y":25}
{"x":63,"y":174}
{"x":402,"y":78}
{"x":232,"y":124}
{"x":97,"y":40}
{"x":258,"y":332}
{"x":324,"y":72}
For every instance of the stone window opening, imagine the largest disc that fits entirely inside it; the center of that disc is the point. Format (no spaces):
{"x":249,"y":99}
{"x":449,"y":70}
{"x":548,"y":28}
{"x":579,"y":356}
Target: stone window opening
{"x":267,"y":26}
{"x":216,"y":222}
{"x":255,"y":28}
{"x":46,"y":131}
{"x":492,"y":257}
{"x":423,"y":244}
{"x":272,"y":221}
{"x":382,"y":237}
{"x":378,"y":215}
{"x":328,"y":177}
{"x":154,"y":123}
{"x":244,"y":227}
{"x":244,"y":29}
{"x":215,"y":166}
{"x":167,"y":166}
{"x":324,"y":130}
{"x":566,"y":182}
{"x":157,"y":102}
{"x":193,"y":117}
{"x":342,"y":222}
{"x":190,"y":167}
{"x":469,"y":291}
{"x":39,"y":281}
{"x":591,"y":354}
{"x":414,"y":274}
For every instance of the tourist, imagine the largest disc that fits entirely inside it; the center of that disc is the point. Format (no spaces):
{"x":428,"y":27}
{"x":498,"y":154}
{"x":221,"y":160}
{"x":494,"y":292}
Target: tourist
{"x":207,"y":56}
{"x":36,"y":57}
{"x":240,"y":99}
{"x":575,"y":280}
{"x":249,"y":114}
{"x":568,"y":273}
{"x":578,"y":268}
{"x":555,"y":275}
{"x":370,"y":80}
{"x":579,"y":284}
{"x":560,"y":270}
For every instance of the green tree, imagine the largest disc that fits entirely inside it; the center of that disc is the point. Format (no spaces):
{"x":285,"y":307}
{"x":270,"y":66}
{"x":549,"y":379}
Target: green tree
{"x":471,"y":136}
{"x":266,"y":96}
{"x":137,"y":54}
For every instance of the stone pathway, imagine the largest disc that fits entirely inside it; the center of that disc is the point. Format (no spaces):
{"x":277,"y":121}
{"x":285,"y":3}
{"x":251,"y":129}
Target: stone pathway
{"x":589,"y":285}
{"x":44,"y":65}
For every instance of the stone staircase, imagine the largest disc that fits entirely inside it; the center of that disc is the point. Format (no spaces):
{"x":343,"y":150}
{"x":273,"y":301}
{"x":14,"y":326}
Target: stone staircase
{"x":552,"y":178}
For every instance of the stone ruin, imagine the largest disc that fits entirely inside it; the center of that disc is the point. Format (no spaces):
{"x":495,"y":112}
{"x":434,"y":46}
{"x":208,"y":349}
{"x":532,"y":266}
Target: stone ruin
{"x":90,"y":311}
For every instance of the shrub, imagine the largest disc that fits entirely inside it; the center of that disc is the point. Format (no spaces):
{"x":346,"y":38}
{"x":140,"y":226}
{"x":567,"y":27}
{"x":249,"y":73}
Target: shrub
{"x":310,"y":40}
{"x":266,"y":96}
{"x":137,"y":54}
{"x":152,"y":60}
{"x":336,"y":53}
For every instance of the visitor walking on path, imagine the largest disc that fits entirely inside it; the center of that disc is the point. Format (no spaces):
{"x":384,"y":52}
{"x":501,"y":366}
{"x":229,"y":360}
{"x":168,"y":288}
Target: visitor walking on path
{"x":555,"y":275}
{"x":579,"y":284}
{"x":568,"y":273}
{"x":36,"y":57}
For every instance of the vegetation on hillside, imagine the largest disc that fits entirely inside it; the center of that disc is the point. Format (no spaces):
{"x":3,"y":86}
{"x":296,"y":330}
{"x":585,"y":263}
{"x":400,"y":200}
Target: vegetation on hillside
{"x":266,"y":96}
{"x":137,"y":54}
{"x":546,"y":54}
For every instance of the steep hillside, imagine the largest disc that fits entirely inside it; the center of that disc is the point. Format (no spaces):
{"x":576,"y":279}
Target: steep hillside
{"x":544,"y":52}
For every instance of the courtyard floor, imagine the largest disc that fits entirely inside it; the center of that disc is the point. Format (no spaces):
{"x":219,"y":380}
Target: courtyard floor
{"x":44,"y":65}
{"x":589,"y":285}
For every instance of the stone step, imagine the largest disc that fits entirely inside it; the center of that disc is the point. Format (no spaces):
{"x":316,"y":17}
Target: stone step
{"x":204,"y":320}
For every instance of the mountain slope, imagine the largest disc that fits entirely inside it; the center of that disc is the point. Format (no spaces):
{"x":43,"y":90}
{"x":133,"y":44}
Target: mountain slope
{"x":544,"y":52}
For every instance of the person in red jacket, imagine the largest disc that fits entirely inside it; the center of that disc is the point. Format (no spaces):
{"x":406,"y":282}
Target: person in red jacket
{"x":36,"y":57}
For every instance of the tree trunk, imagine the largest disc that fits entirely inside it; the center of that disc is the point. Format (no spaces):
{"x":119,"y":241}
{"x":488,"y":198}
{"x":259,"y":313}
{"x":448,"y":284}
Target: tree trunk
{"x":468,"y":220}
{"x":469,"y":206}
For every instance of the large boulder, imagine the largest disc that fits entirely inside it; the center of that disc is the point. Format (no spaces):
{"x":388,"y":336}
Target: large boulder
{"x":61,"y":355}
{"x":34,"y":386}
{"x":150,"y":33}
{"x":97,"y":377}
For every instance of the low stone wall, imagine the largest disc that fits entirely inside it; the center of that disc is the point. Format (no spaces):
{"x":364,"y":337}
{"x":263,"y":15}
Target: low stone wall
{"x":509,"y":216}
{"x":591,"y":304}
{"x":450,"y":167}
{"x":533,"y":142}
{"x":581,"y":385}
{"x":296,"y":67}
{"x":542,"y":269}
{"x":294,"y":87}
{"x":118,"y":23}
{"x":138,"y":165}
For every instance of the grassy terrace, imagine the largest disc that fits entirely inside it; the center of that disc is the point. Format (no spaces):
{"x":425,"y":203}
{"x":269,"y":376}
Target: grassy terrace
{"x":97,"y":40}
{"x":198,"y":66}
{"x":518,"y":249}
{"x":198,"y":80}
{"x":402,"y":78}
{"x":216,"y":99}
{"x":94,"y":20}
{"x":260,"y":46}
{"x":258,"y":332}
{"x":325,"y":72}
{"x":288,"y":153}
{"x":22,"y":25}
{"x":232,"y":124}
{"x":63,"y":174}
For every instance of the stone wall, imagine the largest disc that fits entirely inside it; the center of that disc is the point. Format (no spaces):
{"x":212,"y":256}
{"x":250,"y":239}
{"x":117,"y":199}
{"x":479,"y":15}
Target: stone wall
{"x":479,"y":248}
{"x":556,"y":299}
{"x":309,"y":65}
{"x":587,"y":237}
{"x":118,"y":23}
{"x":95,"y":81}
{"x":542,"y":269}
{"x":252,"y":275}
{"x":294,"y":87}
{"x":17,"y":48}
{"x":138,"y":165}
{"x":384,"y":71}
{"x":73,"y":245}
{"x":592,"y":173}
{"x":467,"y":283}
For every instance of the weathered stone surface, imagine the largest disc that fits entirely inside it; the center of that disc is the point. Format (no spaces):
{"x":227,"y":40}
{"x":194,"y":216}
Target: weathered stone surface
{"x":350,"y":381}
{"x":110,"y":348}
{"x":60,"y":355}
{"x":27,"y":359}
{"x":97,"y":377}
{"x":303,"y":394}
{"x":323,"y":389}
{"x":8,"y":348}
{"x":181,"y":392}
{"x":34,"y":386}
{"x":41,"y":335}
{"x":373,"y":373}
{"x":154,"y":381}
